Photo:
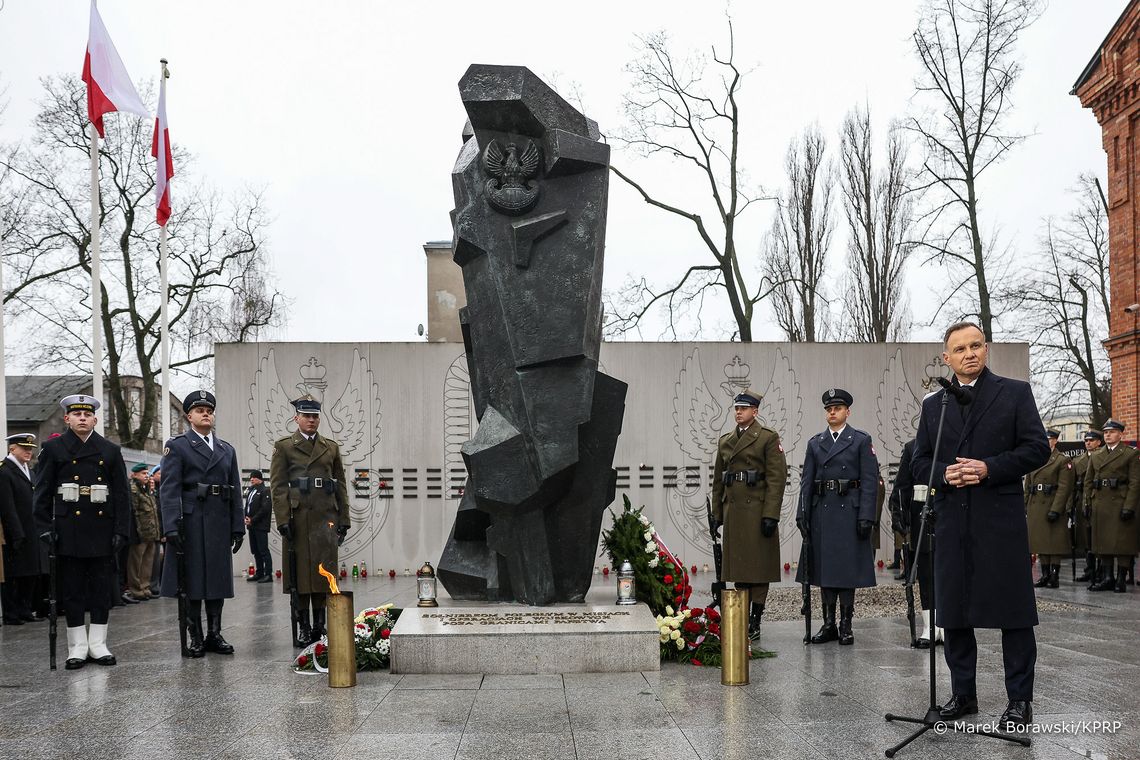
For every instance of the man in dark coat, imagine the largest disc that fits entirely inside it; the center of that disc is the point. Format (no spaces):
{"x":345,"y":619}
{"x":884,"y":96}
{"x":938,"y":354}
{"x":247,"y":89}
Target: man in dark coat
{"x":748,"y":491}
{"x":907,"y":501}
{"x":982,"y":574}
{"x":201,"y":486}
{"x":22,"y":561}
{"x":81,"y":498}
{"x":258,"y":511}
{"x":838,"y":496}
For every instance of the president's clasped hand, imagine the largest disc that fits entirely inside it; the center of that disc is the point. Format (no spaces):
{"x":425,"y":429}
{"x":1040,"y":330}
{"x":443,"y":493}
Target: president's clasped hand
{"x":966,"y":472}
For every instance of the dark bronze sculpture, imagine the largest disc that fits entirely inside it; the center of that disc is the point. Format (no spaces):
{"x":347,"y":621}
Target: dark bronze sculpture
{"x":530,"y":186}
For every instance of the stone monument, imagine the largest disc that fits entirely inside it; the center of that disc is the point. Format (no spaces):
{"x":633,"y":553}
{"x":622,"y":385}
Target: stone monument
{"x":530,"y":186}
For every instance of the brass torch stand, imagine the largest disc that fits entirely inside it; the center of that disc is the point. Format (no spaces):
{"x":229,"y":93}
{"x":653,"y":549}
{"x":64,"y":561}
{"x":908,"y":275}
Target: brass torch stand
{"x":342,"y":646}
{"x":733,"y":637}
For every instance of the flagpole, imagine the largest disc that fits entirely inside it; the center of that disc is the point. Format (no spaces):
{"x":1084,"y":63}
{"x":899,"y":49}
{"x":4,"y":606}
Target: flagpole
{"x":3,"y":366}
{"x":96,"y":284}
{"x":164,"y":336}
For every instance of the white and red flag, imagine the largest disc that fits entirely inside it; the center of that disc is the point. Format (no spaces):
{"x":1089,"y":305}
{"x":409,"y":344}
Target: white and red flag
{"x":164,"y":169}
{"x":109,"y":87}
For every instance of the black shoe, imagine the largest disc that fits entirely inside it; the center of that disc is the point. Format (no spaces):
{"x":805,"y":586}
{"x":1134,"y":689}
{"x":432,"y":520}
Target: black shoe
{"x":754,"y":621}
{"x":128,"y":599}
{"x":214,"y":641}
{"x":828,"y":632}
{"x":1018,"y":715}
{"x":318,"y":624}
{"x":12,"y":621}
{"x":106,"y":660}
{"x":893,"y":566}
{"x":958,"y":706}
{"x":74,"y":663}
{"x":1108,"y":584}
{"x":846,"y":637}
{"x":1043,"y":581}
{"x":1121,"y":583}
{"x":1084,"y":577}
{"x":194,"y":647}
{"x":266,"y":579}
{"x":253,"y":578}
{"x":921,"y":643}
{"x":1055,"y":577}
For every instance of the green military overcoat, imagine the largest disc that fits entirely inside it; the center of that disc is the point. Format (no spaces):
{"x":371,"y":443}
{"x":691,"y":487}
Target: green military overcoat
{"x":1112,"y":535}
{"x":1080,"y":522}
{"x":313,"y":515}
{"x":1050,"y":489}
{"x":146,"y":513}
{"x":749,"y":557}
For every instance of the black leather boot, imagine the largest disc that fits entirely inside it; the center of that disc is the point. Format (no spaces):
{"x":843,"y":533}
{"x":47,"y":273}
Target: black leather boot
{"x":1090,"y":563}
{"x":1121,"y":582}
{"x":304,"y":631}
{"x":214,"y":641}
{"x":1108,"y":582}
{"x":318,"y":624}
{"x":1054,"y":576}
{"x":194,"y":647}
{"x":827,"y":632}
{"x":754,"y":621}
{"x":846,"y":637}
{"x":1046,"y":572}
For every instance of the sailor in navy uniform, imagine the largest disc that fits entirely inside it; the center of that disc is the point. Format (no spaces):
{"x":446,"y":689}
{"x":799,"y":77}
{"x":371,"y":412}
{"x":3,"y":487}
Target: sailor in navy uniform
{"x":202,"y":485}
{"x":840,"y":485}
{"x":82,"y":500}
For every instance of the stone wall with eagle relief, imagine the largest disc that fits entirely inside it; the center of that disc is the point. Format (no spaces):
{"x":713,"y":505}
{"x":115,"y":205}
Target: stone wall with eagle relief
{"x":401,"y":411}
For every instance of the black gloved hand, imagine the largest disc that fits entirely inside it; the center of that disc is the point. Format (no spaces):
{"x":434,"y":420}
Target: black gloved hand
{"x":863,"y":528}
{"x":173,"y":542}
{"x":1127,"y":514}
{"x":341,"y":532}
{"x":286,"y":531}
{"x":768,"y":526}
{"x":238,"y":539}
{"x":802,"y":528}
{"x":117,"y":543}
{"x":1052,"y":516}
{"x":47,"y":537}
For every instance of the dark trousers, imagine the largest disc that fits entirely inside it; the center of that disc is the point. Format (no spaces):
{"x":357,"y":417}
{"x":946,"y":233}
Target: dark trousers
{"x":846,"y":596}
{"x":924,"y":576}
{"x":85,"y":585}
{"x":1019,"y":655}
{"x":259,"y":547}
{"x":17,"y":595}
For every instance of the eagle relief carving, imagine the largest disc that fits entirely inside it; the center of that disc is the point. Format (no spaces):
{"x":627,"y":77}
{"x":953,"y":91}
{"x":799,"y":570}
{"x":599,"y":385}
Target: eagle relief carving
{"x":510,"y":189}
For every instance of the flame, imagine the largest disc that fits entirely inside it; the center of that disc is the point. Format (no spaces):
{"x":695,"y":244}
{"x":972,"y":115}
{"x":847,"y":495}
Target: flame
{"x":333,"y":589}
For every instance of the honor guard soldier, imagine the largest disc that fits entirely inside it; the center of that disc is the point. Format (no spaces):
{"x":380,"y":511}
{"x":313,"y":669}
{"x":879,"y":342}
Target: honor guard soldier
{"x":1048,"y":499}
{"x":1082,"y":531}
{"x":748,"y":491}
{"x":1112,"y":490}
{"x":839,"y":486}
{"x":310,"y":504}
{"x":81,"y":503}
{"x":200,"y":492}
{"x":23,"y":563}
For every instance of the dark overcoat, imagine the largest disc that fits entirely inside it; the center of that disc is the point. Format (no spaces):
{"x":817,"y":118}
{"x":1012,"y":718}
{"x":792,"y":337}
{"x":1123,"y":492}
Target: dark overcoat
{"x":1111,"y":534}
{"x":840,"y":559}
{"x":749,"y":557}
{"x":983,"y":578}
{"x":84,"y":529}
{"x":16,"y":490}
{"x":1050,"y":489}
{"x":314,"y":514}
{"x":210,"y":519}
{"x":259,"y":508}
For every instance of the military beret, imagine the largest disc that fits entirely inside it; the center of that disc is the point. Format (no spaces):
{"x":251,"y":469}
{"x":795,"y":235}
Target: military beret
{"x":837,"y":397}
{"x":79,"y":403}
{"x":27,"y":440}
{"x":747,"y":398}
{"x":307,"y":405}
{"x":198,"y":398}
{"x":155,"y":469}
{"x":1111,"y":424}
{"x":1051,"y":433}
{"x":1091,"y":435}
{"x":257,"y":474}
{"x":139,"y":467}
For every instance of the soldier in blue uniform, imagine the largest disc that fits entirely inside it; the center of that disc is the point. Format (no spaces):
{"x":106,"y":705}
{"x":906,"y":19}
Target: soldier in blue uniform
{"x":201,"y":485}
{"x":81,"y":502}
{"x":839,"y":486}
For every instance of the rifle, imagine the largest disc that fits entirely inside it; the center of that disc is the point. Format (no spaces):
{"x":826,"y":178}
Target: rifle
{"x":718,"y":554}
{"x":294,"y":596}
{"x":183,"y":596}
{"x":53,"y":631}
{"x":908,"y":586}
{"x":805,"y":565}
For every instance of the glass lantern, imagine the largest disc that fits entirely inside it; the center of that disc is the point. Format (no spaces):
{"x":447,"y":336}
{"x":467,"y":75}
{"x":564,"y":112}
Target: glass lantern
{"x":426,"y":586}
{"x":626,"y":585}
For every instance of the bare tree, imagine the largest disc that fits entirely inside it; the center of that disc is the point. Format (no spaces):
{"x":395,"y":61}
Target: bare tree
{"x":796,"y":250}
{"x":680,"y":110}
{"x":1066,"y":308}
{"x":217,"y":270}
{"x":880,"y":211}
{"x":967,"y":52}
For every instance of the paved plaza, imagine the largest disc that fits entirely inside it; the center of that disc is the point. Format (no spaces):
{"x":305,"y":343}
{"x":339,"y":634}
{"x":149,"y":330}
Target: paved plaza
{"x":808,"y":702}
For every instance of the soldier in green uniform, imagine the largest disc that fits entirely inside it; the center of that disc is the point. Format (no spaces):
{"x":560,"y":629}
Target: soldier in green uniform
{"x":1112,"y":490}
{"x":748,"y":491}
{"x":1048,"y":499}
{"x":140,"y":560}
{"x":310,"y":504}
{"x":1082,"y":538}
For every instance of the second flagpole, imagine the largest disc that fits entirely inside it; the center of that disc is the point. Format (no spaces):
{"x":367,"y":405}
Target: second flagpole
{"x":164,"y":334}
{"x":96,"y":283}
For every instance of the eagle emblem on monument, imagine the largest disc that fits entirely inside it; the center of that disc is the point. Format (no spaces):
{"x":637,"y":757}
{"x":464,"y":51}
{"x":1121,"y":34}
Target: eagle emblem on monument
{"x":510,"y":189}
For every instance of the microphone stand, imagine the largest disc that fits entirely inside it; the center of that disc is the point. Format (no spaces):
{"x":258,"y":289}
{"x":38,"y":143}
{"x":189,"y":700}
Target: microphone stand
{"x":926,"y":531}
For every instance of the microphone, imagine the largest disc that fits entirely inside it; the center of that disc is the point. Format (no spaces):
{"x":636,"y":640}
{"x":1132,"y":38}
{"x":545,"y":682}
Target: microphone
{"x":964,"y":396}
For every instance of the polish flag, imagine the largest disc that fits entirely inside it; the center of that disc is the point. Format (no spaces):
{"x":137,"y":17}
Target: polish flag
{"x":164,"y":170}
{"x":109,"y":87}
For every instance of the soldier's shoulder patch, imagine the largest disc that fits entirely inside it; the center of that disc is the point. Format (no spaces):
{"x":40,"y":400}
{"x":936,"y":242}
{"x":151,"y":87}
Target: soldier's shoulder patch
{"x":1069,"y":465}
{"x":165,"y":450}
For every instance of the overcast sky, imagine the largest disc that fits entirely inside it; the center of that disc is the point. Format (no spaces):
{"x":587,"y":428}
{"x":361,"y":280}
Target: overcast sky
{"x":348,"y":115}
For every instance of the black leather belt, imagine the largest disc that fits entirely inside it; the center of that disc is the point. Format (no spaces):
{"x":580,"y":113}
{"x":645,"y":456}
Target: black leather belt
{"x":1045,"y":488}
{"x":1109,"y":482}
{"x":210,"y":489}
{"x":842,"y":486}
{"x":751,"y":477}
{"x":313,"y":484}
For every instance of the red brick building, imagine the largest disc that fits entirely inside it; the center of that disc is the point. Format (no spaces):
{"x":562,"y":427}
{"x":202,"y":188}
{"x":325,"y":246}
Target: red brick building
{"x":1110,"y":86}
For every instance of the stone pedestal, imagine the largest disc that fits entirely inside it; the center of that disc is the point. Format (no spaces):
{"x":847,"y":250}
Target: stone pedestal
{"x":515,"y":639}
